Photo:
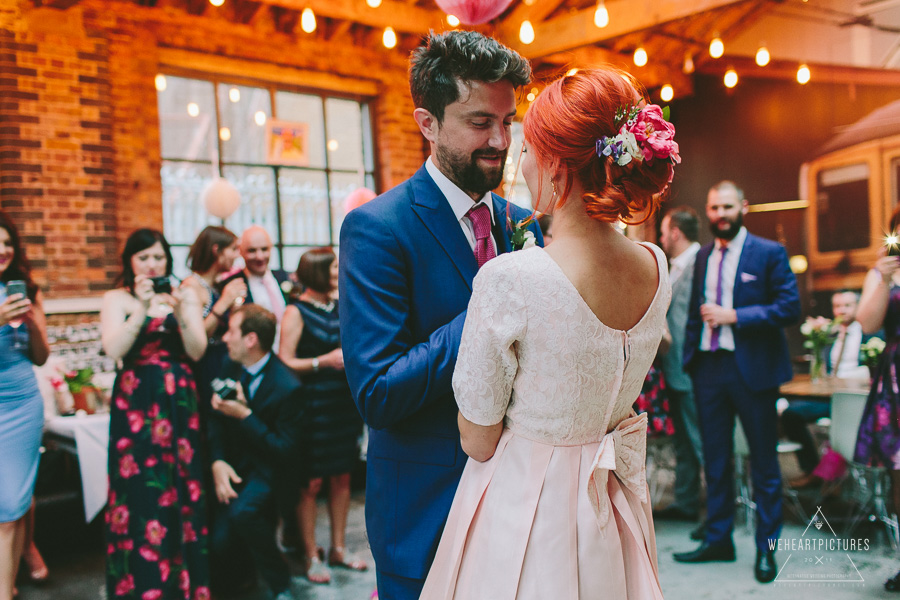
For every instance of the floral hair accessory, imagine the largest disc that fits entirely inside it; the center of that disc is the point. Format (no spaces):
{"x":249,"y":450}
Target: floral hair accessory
{"x":645,"y":135}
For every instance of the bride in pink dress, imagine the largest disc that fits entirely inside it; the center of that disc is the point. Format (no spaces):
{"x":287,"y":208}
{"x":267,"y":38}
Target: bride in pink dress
{"x":553,"y":502}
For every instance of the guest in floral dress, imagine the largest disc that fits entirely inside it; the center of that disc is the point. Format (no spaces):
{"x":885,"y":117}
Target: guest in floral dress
{"x":156,"y":517}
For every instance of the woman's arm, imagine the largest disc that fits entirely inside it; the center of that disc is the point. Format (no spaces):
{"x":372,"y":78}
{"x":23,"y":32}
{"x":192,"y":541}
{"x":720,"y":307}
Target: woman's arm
{"x":479,"y":441}
{"x":210,"y":321}
{"x":190,"y":323}
{"x":118,"y":328}
{"x":291,"y":331}
{"x":876,"y":293}
{"x":36,"y":321}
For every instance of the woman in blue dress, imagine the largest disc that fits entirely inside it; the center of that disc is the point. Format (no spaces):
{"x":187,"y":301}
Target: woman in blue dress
{"x":156,"y":515}
{"x":23,"y":342}
{"x":878,"y":439}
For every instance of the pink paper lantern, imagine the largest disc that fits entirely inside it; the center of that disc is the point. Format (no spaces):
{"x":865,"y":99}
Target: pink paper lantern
{"x":474,"y":12}
{"x":357,"y":198}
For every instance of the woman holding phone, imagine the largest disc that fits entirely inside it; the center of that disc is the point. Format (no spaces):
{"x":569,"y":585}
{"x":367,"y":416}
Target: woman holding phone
{"x":156,"y":517}
{"x":23,"y":342}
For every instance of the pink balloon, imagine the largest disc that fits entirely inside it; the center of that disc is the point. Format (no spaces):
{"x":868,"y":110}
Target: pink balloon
{"x":474,"y":12}
{"x":357,"y":198}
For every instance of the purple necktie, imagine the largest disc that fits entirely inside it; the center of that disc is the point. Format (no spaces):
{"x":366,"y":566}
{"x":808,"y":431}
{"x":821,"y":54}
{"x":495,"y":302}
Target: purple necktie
{"x":714,"y":338}
{"x":480,"y":215}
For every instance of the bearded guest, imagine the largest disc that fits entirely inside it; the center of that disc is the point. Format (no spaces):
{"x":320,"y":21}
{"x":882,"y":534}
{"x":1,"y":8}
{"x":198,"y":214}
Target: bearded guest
{"x":743,"y":296}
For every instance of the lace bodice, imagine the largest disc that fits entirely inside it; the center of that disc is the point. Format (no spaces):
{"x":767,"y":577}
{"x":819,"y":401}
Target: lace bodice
{"x":532,"y":351}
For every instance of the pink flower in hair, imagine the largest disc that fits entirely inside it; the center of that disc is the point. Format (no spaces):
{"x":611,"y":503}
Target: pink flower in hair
{"x":654,"y":134}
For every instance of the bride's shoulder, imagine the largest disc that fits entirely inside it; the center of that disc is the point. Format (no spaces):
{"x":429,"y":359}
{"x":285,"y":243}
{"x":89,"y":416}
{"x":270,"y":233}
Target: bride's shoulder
{"x":518,"y":265}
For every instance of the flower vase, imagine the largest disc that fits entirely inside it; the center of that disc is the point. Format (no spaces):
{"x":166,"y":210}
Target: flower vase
{"x":817,"y":366}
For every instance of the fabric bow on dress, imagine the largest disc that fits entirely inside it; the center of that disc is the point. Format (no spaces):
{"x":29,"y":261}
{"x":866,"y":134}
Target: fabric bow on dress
{"x":623,"y":450}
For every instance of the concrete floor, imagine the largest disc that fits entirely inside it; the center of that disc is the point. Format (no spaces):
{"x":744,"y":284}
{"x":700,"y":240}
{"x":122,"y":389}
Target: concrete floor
{"x":75,"y":556}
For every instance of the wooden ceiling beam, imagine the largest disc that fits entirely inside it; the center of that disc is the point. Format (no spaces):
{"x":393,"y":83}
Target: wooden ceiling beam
{"x":536,"y":12}
{"x":397,"y":14}
{"x":577,"y":28}
{"x":784,"y":69}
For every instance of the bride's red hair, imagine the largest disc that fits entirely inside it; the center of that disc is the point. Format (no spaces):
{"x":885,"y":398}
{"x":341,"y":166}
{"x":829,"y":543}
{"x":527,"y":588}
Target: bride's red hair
{"x":562,"y":127}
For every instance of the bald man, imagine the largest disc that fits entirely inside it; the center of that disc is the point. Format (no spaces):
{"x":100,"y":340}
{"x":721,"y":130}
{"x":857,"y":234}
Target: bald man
{"x":263,"y":285}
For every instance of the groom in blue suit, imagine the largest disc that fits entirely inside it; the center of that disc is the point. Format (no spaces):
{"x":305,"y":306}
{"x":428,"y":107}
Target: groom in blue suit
{"x":407,"y":263}
{"x":743,"y":296}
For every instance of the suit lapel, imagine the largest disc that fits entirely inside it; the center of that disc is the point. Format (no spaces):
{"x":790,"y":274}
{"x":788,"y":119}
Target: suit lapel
{"x":501,"y":230}
{"x":702,"y":265}
{"x":748,"y":257}
{"x":264,"y":390}
{"x":432,"y":208}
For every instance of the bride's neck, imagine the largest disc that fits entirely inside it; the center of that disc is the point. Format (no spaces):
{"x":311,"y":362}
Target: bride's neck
{"x":571,"y":221}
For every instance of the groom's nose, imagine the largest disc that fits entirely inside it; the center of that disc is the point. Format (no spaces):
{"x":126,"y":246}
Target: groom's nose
{"x":500,"y":137}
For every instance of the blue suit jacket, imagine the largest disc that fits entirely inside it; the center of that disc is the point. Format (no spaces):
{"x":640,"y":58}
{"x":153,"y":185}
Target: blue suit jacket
{"x":406,"y":274}
{"x":765,"y":300}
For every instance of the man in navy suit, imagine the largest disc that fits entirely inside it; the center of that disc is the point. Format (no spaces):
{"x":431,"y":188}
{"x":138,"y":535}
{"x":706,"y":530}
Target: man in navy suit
{"x":743,"y":296}
{"x":407,"y":263}
{"x":253,"y":440}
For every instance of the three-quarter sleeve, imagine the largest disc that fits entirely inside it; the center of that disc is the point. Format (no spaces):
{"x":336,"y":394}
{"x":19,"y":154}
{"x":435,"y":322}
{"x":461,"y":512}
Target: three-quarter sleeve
{"x":487,"y":361}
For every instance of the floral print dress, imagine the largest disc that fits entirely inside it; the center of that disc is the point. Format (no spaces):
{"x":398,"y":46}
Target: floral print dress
{"x":156,"y":516}
{"x":878,"y":440}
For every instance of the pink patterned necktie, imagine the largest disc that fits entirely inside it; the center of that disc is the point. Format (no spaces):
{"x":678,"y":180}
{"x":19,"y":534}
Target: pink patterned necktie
{"x":714,"y":338}
{"x":480,"y":215}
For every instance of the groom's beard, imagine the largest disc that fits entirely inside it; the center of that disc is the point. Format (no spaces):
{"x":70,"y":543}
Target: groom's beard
{"x":466,"y":173}
{"x":728,"y":232}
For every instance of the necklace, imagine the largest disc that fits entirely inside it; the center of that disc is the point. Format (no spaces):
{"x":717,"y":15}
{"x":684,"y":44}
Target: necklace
{"x":327,"y":307}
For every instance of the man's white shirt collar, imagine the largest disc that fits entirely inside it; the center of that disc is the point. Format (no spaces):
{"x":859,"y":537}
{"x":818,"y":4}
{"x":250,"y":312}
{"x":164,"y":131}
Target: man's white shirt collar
{"x":258,"y":366}
{"x":680,"y":262}
{"x":460,"y":202}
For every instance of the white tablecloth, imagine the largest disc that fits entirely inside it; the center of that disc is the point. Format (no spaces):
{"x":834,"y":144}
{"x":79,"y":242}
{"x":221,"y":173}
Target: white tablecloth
{"x":91,"y":435}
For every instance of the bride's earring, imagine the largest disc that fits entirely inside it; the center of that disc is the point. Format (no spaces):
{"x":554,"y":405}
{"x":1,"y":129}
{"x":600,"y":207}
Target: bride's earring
{"x":553,"y":187}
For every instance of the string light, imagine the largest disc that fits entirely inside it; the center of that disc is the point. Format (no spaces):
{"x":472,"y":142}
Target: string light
{"x":803,"y":74}
{"x":716,"y":47}
{"x":234,"y":94}
{"x":217,"y":2}
{"x":601,"y":15}
{"x":308,"y":20}
{"x":452,"y":21}
{"x":193,"y":109}
{"x":688,"y":66}
{"x":526,"y":32}
{"x":260,"y":118}
{"x":762,"y":56}
{"x":667,"y":93}
{"x":160,"y":83}
{"x":569,"y":73}
{"x":332,"y":145}
{"x":530,"y":97}
{"x":224,"y":134}
{"x":373,"y":3}
{"x":731,"y":78}
{"x":640,"y":57}
{"x":389,"y":38}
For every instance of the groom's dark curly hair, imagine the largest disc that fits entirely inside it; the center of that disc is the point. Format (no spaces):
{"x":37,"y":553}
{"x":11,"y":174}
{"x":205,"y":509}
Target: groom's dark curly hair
{"x":443,"y":60}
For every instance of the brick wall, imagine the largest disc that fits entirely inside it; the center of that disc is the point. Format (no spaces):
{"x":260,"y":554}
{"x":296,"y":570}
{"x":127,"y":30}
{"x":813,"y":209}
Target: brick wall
{"x":79,"y":134}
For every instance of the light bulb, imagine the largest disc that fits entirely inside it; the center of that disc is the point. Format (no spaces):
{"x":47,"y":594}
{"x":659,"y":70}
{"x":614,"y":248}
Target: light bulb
{"x":601,"y":15}
{"x":716,"y":48}
{"x":762,"y":56}
{"x":731,"y":78}
{"x":160,"y":83}
{"x":452,"y":21}
{"x":803,"y":74}
{"x":389,"y":38}
{"x":224,"y":134}
{"x":332,"y":145}
{"x":234,"y":94}
{"x":667,"y":93}
{"x":569,"y":73}
{"x":640,"y":57}
{"x":217,"y":2}
{"x":530,"y":97}
{"x":373,"y":3}
{"x":308,"y":20}
{"x":526,"y":32}
{"x":260,"y":118}
{"x":193,"y":109}
{"x":688,"y":66}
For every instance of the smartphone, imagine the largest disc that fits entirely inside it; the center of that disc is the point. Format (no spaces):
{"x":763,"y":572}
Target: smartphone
{"x":16,"y":286}
{"x":893,"y":249}
{"x":225,"y":388}
{"x":162,"y":285}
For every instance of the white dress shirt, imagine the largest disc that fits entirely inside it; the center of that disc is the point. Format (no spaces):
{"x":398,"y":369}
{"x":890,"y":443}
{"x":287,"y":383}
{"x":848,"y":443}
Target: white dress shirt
{"x":678,"y":264}
{"x":461,"y":203}
{"x":261,"y":296}
{"x":729,"y":275}
{"x":254,"y":370}
{"x":846,"y":364}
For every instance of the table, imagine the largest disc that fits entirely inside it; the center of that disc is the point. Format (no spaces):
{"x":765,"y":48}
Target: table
{"x":801,"y":386}
{"x":90,"y":434}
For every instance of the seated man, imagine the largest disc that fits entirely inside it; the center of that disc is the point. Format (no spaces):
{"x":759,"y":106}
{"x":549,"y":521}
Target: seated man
{"x":842,"y":359}
{"x":251,"y":439}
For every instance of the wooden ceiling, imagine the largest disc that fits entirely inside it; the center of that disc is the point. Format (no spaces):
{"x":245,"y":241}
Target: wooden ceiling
{"x":565,"y":34}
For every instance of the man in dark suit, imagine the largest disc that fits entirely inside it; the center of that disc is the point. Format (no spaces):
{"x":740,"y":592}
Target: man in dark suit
{"x":407,"y":263}
{"x":253,"y":439}
{"x":743,"y":296}
{"x":678,"y":237}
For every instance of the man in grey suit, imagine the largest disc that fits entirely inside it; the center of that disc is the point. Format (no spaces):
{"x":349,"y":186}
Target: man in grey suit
{"x":678,"y":237}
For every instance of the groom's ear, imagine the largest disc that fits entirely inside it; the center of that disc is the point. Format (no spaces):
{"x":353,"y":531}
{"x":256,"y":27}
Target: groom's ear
{"x":427,"y":123}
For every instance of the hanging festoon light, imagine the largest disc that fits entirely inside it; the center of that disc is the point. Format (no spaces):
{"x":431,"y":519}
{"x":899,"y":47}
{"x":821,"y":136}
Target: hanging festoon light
{"x":193,"y":109}
{"x":803,"y":74}
{"x":389,"y":38}
{"x":526,"y":32}
{"x":224,"y":134}
{"x":640,"y":56}
{"x":220,"y":198}
{"x":452,"y":21}
{"x":762,"y":56}
{"x":161,"y":83}
{"x":308,"y":20}
{"x":731,"y":78}
{"x":570,"y":72}
{"x":217,"y":2}
{"x":716,"y":47}
{"x":260,"y":118}
{"x":373,"y":3}
{"x":474,"y":12}
{"x":234,"y":94}
{"x":667,"y":93}
{"x":601,"y":15}
{"x":688,"y":66}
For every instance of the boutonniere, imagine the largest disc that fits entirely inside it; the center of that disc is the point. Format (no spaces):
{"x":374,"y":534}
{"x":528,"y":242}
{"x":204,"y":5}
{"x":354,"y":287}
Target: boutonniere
{"x":521,"y":237}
